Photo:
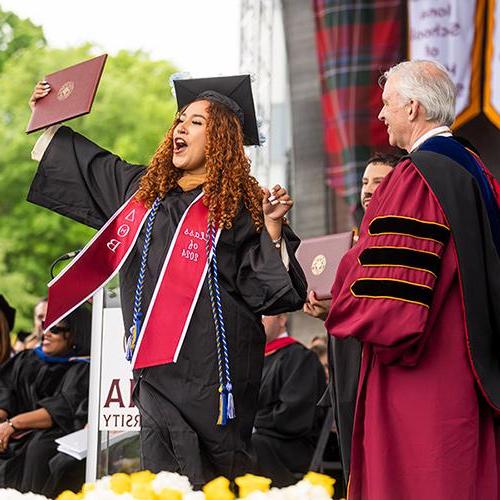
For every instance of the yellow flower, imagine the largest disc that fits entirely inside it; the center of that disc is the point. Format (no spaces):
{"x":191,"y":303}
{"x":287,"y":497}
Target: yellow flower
{"x":250,"y":483}
{"x":120,"y":483}
{"x":143,"y":476}
{"x":323,"y":480}
{"x":87,"y":487}
{"x":69,"y":495}
{"x":169,"y":494}
{"x":143,"y":491}
{"x":218,"y":489}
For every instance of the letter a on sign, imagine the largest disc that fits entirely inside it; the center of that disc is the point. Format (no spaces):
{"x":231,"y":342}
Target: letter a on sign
{"x":131,"y":216}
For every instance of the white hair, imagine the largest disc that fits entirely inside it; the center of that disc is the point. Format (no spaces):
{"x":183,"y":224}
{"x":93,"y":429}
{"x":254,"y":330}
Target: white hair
{"x":429,"y":83}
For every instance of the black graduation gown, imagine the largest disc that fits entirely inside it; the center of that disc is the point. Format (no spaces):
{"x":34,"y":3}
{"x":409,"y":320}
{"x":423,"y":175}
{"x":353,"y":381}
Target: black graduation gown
{"x":65,"y":471}
{"x":288,"y":420}
{"x":344,"y":358}
{"x":28,"y":383}
{"x":179,"y":401}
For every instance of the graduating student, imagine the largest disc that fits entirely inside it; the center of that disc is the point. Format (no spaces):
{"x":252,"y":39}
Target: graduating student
{"x":40,"y":392}
{"x":421,"y":290}
{"x":203,"y":252}
{"x":288,"y":420}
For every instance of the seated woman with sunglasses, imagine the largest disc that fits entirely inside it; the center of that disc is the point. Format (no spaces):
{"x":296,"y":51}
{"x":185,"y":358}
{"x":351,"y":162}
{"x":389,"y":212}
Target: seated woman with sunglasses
{"x":40,"y":391}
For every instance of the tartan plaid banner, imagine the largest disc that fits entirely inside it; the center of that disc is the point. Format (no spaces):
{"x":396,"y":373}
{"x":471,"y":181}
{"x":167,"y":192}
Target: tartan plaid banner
{"x":356,"y":42}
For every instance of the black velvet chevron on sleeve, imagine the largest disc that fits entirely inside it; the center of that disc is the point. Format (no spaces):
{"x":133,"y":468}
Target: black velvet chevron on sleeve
{"x":385,"y":256}
{"x":396,"y":224}
{"x":385,"y":288}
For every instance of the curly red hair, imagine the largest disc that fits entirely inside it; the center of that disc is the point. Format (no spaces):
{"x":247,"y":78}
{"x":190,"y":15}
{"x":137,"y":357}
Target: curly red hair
{"x":229,"y":183}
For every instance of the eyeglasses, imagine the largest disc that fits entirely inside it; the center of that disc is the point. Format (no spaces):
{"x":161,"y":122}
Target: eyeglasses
{"x":56,"y":330}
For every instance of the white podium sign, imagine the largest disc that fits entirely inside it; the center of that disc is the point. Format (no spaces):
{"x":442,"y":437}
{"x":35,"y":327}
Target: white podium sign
{"x":117,"y":411}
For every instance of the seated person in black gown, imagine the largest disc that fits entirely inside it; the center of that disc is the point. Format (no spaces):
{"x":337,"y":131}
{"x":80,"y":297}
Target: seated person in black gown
{"x":40,"y":392}
{"x":68,"y":473}
{"x":65,"y":471}
{"x":7,"y":317}
{"x":288,"y":421}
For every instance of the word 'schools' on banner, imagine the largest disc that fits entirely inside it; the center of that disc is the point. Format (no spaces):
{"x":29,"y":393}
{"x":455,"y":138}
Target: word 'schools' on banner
{"x":451,"y":32}
{"x":492,"y":64}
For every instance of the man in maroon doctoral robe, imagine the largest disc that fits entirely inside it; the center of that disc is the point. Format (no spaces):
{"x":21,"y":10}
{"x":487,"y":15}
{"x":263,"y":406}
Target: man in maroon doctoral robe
{"x":421,"y":291}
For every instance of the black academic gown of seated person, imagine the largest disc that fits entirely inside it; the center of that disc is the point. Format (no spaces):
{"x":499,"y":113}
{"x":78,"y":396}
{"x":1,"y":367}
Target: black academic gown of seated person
{"x":179,"y":402}
{"x":27,"y":383}
{"x":65,"y":471}
{"x":288,"y":420}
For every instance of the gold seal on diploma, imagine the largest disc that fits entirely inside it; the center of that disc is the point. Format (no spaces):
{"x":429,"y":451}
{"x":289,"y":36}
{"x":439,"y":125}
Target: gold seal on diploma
{"x":318,"y":264}
{"x":65,"y":90}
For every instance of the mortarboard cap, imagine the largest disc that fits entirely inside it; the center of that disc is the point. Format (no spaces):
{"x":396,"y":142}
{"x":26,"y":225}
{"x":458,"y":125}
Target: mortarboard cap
{"x":10,"y":312}
{"x":233,"y":91}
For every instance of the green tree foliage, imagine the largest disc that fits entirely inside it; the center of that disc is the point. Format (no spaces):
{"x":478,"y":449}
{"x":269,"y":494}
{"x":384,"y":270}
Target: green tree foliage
{"x":131,"y":113}
{"x":16,"y":35}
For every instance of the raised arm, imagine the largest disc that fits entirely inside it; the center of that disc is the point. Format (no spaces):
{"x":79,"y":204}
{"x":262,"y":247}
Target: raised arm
{"x":383,"y":293}
{"x":76,"y":177}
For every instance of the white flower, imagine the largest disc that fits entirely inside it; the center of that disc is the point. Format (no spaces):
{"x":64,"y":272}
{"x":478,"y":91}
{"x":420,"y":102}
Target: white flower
{"x":260,"y":495}
{"x":103,"y":483}
{"x":10,"y":494}
{"x":303,"y":490}
{"x":171,"y":480}
{"x":194,"y":495}
{"x":103,"y":494}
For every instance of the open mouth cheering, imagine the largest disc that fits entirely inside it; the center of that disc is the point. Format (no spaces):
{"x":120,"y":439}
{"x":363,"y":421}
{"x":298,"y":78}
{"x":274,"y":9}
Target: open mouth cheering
{"x":179,"y":145}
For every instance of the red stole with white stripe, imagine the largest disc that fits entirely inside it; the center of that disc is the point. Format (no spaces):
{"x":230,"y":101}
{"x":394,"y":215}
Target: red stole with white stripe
{"x":176,"y":292}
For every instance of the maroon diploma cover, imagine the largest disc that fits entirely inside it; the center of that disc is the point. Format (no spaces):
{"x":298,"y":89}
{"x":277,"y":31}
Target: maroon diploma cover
{"x":72,"y":94}
{"x":319,"y":259}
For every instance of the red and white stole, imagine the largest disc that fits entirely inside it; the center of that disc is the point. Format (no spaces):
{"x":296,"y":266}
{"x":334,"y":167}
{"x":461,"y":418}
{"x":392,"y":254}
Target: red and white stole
{"x":176,"y":292}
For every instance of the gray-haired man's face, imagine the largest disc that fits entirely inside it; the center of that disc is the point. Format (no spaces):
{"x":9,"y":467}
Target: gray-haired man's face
{"x":394,"y":114}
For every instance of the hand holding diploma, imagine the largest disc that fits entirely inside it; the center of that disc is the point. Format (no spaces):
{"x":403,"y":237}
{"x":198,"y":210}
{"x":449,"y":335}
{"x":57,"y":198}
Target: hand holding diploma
{"x":42,"y":88}
{"x":316,"y":308}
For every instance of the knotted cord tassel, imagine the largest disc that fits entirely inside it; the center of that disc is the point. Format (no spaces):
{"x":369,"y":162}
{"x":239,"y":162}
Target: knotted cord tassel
{"x":129,"y":353}
{"x":222,"y":419}
{"x":135,"y":329}
{"x":230,"y":402}
{"x":226,"y":400}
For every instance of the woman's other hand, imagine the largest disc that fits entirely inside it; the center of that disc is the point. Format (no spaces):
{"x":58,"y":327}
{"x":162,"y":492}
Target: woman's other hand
{"x":275,"y":204}
{"x":42,"y":88}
